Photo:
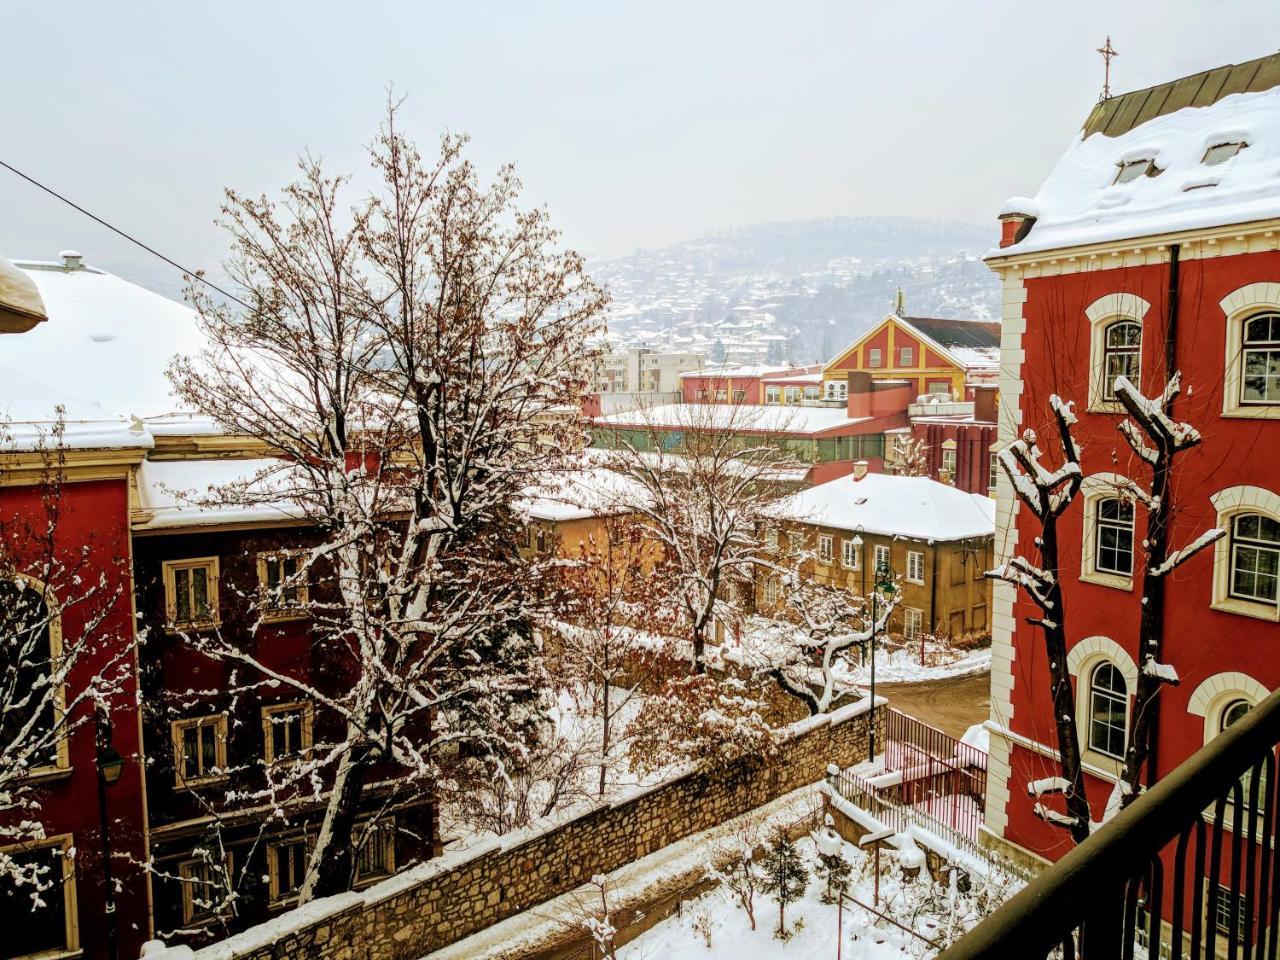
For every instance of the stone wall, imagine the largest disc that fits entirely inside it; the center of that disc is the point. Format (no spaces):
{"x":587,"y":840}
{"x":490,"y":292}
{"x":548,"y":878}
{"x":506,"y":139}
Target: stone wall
{"x":436,"y":903}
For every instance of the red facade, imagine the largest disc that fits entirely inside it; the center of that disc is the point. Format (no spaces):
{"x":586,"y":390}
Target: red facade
{"x":1221,"y":655}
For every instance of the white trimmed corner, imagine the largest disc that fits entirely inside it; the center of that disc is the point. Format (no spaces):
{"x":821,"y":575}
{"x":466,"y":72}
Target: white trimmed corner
{"x":1215,"y":693}
{"x":1092,"y":649}
{"x":1095,"y":487}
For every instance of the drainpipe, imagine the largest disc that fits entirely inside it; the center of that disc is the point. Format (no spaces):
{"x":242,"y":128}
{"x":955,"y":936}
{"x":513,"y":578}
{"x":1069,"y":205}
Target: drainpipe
{"x":1170,"y":365}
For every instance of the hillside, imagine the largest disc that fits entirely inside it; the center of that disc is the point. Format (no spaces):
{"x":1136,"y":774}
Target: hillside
{"x":796,"y":290}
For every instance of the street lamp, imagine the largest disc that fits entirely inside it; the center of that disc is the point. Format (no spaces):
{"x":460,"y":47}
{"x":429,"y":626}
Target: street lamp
{"x":883,"y":579}
{"x":110,"y":767}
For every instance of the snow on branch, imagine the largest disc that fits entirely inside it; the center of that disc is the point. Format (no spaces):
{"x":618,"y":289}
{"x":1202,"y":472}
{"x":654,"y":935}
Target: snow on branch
{"x":1049,"y":785}
{"x":1161,"y":671}
{"x":1178,"y":557}
{"x":1150,"y":414}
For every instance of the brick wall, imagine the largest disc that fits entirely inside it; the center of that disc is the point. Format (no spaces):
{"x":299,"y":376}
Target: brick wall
{"x":436,"y":903}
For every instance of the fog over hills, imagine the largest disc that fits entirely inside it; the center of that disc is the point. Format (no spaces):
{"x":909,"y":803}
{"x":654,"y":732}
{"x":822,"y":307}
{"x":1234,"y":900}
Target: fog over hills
{"x":797,"y":290}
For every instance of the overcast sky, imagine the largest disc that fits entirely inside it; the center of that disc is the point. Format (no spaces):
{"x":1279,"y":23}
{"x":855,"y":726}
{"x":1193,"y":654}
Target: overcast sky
{"x":638,"y":124}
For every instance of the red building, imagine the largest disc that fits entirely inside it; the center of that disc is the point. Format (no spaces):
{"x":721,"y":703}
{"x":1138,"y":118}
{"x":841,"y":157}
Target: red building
{"x":957,"y":439}
{"x":731,"y":384}
{"x":1154,"y":244}
{"x":183,"y":829}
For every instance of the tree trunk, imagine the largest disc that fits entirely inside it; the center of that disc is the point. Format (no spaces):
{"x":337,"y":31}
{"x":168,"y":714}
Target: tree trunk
{"x":1064,"y":707}
{"x":330,"y":867}
{"x":604,"y":739}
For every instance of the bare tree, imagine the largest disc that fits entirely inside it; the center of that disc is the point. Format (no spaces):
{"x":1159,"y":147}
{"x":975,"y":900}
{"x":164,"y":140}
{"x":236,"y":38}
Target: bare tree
{"x":410,"y":365}
{"x":52,"y":681}
{"x":613,"y":618}
{"x":1047,"y":493}
{"x":910,"y":456}
{"x":1157,"y":440}
{"x":703,"y":489}
{"x":806,"y":650}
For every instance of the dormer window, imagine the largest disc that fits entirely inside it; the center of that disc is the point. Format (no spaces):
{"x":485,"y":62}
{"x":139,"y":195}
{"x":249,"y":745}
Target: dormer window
{"x":1131,"y":170}
{"x":1222,"y":152}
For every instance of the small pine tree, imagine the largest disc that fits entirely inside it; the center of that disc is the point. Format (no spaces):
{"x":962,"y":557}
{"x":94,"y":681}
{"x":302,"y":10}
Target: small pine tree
{"x":832,"y":866}
{"x":783,"y":877}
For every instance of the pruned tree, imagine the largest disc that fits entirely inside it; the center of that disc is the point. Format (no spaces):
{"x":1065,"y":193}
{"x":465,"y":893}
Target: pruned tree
{"x":1157,"y":439}
{"x":1047,"y":493}
{"x":806,"y":650}
{"x":53,"y":681}
{"x":409,"y":365}
{"x":833,"y":868}
{"x":703,"y":482}
{"x":733,"y":863}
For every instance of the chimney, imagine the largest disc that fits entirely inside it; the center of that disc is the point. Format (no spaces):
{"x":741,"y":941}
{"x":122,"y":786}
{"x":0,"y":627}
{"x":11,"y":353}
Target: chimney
{"x":71,"y":260}
{"x":1014,"y":227}
{"x":859,"y":469}
{"x":984,"y":404}
{"x":859,"y":403}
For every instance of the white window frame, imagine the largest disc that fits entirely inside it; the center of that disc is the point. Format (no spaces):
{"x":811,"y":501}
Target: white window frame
{"x":306,"y":713}
{"x":176,"y":731}
{"x":826,"y":551}
{"x":1107,"y":694}
{"x":907,"y":357}
{"x":1230,"y":503}
{"x":912,"y":623}
{"x":915,"y":566}
{"x":1237,"y":307}
{"x":875,"y":358}
{"x":772,"y":591}
{"x":1103,"y":314}
{"x":849,"y":554}
{"x":1094,"y":489}
{"x":773,"y":395}
{"x":1082,"y":659}
{"x":881,"y":554}
{"x":170,"y":569}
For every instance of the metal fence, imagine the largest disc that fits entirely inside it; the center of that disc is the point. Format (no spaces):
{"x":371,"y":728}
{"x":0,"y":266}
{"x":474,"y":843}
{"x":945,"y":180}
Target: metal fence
{"x":1188,"y":870}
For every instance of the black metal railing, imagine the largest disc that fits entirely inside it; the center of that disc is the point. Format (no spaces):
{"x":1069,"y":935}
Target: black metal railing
{"x":1188,"y":871}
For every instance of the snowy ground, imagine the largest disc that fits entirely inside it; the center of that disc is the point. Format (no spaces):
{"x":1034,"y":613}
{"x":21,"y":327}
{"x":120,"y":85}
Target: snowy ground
{"x":903,"y":665}
{"x":713,"y":927}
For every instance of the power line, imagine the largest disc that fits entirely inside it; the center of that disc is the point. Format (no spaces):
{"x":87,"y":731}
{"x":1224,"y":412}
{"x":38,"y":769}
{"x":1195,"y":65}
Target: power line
{"x":134,"y":240}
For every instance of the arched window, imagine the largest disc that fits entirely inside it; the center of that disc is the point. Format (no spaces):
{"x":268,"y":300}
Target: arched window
{"x":1260,"y":359}
{"x":1121,"y":355}
{"x":28,"y":708}
{"x":1108,"y":710}
{"x":1255,"y":557}
{"x":1232,"y":712}
{"x":1113,"y":532}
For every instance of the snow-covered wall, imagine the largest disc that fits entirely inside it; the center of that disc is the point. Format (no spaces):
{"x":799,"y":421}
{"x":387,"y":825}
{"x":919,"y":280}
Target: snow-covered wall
{"x":435,"y":903}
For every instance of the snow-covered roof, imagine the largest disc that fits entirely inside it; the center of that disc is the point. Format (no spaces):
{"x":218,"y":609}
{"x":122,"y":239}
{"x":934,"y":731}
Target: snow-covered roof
{"x":591,"y":491}
{"x":168,"y":490}
{"x":742,"y":372}
{"x":916,"y":507}
{"x":795,"y":378}
{"x":29,"y":417}
{"x":1080,"y":202}
{"x":107,"y":342}
{"x":726,"y":416}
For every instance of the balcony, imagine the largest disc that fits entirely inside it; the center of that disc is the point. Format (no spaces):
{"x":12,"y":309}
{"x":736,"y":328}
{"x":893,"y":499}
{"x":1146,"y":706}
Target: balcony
{"x":939,"y":408}
{"x":1188,"y":870}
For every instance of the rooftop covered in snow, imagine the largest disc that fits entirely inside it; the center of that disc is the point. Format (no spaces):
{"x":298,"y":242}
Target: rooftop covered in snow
{"x":730,"y":416}
{"x":170,"y":491}
{"x":591,"y":491}
{"x":916,"y":507}
{"x":1196,"y":153}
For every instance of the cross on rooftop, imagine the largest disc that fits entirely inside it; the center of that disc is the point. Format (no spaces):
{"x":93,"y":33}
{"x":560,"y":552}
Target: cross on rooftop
{"x":1107,"y":52}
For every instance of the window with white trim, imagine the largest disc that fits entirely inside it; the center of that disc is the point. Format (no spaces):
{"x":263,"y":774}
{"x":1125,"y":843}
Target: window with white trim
{"x":1260,"y":359}
{"x":1255,"y":558}
{"x":906,"y":357}
{"x":949,"y":461}
{"x":45,"y":925}
{"x":772,"y":591}
{"x":881,"y":555}
{"x":994,"y":476}
{"x":849,"y":554}
{"x":771,"y":537}
{"x":915,"y":566}
{"x":912,"y":623}
{"x":873,"y":357}
{"x":1121,"y":355}
{"x":191,"y":592}
{"x":1113,"y":536}
{"x":825,"y":550}
{"x":200,"y":749}
{"x":772,"y":395}
{"x":1108,"y":710}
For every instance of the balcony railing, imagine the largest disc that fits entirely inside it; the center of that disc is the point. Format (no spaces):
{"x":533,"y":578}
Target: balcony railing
{"x":1188,"y":870}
